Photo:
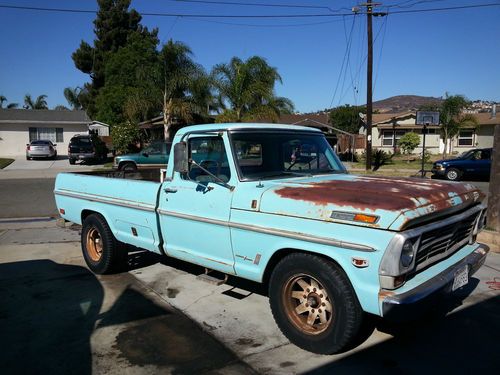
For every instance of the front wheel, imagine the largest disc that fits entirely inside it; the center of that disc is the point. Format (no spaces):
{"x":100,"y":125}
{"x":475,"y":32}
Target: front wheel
{"x":128,"y":167}
{"x":72,"y":161}
{"x":453,"y":174}
{"x":314,"y":304}
{"x":101,"y":251}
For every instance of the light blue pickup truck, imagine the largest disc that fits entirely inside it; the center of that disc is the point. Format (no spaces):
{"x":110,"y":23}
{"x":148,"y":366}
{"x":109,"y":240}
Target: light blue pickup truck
{"x":273,"y":204}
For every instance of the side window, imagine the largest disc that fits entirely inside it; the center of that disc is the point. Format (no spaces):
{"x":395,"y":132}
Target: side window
{"x":210,"y":154}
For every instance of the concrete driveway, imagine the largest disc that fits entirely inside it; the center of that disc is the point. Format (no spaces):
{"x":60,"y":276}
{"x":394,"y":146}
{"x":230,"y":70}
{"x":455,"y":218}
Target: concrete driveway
{"x":122,"y":323}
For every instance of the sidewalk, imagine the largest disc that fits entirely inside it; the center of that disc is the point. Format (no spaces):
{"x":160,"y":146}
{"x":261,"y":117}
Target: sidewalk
{"x":134,"y":329}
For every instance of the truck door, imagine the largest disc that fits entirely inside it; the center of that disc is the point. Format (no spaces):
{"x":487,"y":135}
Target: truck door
{"x":194,"y":209}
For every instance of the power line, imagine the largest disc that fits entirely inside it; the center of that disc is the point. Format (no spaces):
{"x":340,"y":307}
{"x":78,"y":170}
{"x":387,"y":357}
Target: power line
{"x":268,"y":5}
{"x":265,"y":25}
{"x":380,"y":53}
{"x":263,"y":16}
{"x":347,"y":49}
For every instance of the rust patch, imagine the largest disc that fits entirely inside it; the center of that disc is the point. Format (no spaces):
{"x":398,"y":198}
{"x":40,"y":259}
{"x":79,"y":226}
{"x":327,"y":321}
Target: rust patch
{"x":378,"y":193}
{"x":383,"y":294}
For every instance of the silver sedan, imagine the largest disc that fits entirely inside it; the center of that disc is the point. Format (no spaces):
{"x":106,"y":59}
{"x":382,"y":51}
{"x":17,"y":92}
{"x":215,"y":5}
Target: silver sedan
{"x":41,"y":149}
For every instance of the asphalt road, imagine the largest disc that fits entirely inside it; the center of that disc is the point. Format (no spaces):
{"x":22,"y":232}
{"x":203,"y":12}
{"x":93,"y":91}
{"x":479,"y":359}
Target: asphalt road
{"x":27,"y":198}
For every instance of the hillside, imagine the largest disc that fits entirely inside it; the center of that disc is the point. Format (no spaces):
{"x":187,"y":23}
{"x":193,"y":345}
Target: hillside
{"x":403,"y":103}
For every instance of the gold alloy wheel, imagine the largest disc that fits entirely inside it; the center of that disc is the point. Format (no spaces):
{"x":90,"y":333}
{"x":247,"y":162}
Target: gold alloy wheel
{"x":307,"y":304}
{"x":94,"y":244}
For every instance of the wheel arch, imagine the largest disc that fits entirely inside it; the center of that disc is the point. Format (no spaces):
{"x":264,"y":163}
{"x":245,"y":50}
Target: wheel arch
{"x":284,"y":252}
{"x":123,"y":162}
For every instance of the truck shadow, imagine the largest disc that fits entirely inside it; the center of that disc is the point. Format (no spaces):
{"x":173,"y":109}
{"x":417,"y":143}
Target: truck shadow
{"x":463,"y":342}
{"x":138,"y":258}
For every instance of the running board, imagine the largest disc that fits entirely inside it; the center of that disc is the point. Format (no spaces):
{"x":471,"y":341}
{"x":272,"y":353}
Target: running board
{"x":212,"y":279}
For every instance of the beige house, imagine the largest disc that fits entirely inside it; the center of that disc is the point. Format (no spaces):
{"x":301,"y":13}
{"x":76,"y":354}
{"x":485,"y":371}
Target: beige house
{"x":21,"y":126}
{"x":389,"y":128}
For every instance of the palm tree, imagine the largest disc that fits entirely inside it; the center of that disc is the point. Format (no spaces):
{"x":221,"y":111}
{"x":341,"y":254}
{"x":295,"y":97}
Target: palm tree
{"x":176,"y":75}
{"x":453,"y":119}
{"x":72,"y":95}
{"x":3,"y":99}
{"x":247,"y":87}
{"x":39,"y":103}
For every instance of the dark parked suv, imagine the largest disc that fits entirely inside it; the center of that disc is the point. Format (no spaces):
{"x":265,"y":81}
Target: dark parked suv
{"x":86,"y":147}
{"x":474,"y":164}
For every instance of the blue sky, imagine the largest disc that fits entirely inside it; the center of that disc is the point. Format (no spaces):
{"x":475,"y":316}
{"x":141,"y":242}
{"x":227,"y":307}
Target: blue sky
{"x":420,"y":53}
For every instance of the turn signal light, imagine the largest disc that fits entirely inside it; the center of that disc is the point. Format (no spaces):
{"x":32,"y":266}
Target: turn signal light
{"x":365,"y":218}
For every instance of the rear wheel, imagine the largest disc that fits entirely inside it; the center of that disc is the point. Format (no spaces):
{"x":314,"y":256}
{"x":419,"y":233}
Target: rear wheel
{"x":128,"y":167}
{"x":453,"y":174}
{"x":101,"y":251}
{"x":314,"y":304}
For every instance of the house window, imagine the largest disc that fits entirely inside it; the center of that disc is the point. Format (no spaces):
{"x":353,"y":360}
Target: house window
{"x":466,"y":138}
{"x":51,"y":134}
{"x":388,"y":137}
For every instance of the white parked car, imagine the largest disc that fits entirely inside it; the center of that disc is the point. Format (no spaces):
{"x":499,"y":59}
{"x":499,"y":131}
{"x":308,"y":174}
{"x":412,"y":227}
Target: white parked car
{"x":41,"y":149}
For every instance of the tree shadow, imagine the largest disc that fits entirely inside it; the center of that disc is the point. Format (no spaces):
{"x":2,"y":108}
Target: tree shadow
{"x":47,"y":314}
{"x":49,"y":311}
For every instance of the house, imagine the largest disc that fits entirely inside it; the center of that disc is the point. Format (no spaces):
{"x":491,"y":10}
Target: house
{"x":21,"y":126}
{"x":388,"y":128}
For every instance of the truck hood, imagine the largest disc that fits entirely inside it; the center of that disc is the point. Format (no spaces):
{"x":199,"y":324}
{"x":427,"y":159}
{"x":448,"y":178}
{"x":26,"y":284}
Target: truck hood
{"x":397,"y":202}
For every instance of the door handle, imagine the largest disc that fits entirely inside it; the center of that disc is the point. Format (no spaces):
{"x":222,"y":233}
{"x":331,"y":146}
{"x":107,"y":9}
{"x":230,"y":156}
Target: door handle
{"x":170,"y":190}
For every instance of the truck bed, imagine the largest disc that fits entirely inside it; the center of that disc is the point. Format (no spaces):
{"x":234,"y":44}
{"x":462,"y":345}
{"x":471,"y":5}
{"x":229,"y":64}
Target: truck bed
{"x":128,"y":201}
{"x":152,"y":175}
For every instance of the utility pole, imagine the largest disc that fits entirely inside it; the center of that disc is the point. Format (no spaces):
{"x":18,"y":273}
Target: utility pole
{"x":369,"y":78}
{"x":493,"y":220}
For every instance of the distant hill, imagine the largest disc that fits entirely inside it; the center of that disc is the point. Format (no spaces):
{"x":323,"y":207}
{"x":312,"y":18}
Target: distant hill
{"x":403,"y":103}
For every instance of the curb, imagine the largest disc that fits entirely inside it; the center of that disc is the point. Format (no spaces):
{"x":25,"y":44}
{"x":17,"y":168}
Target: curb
{"x":490,"y":238}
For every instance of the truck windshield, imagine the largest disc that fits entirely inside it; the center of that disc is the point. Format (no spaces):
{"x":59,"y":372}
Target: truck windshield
{"x":281,"y":154}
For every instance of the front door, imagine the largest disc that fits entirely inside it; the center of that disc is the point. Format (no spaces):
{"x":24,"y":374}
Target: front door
{"x":195,"y":208}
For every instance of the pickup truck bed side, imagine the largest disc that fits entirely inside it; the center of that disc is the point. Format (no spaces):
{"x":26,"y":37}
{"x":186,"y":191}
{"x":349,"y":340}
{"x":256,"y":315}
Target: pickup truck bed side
{"x":118,"y":201}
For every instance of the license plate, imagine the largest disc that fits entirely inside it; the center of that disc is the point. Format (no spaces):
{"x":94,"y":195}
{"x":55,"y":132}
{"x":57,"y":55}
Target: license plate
{"x":461,"y":278}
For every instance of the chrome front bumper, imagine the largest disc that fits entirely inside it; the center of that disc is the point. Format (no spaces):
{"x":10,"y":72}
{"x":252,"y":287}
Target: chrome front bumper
{"x":413,"y":302}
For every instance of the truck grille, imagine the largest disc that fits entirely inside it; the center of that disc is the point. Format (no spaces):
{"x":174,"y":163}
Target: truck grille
{"x":444,"y":241}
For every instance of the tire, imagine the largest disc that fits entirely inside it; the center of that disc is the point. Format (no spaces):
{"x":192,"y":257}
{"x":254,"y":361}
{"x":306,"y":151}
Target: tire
{"x":72,"y":161}
{"x":101,"y":251}
{"x":28,"y":158}
{"x":128,"y":167}
{"x":453,"y":174}
{"x":335,"y":326}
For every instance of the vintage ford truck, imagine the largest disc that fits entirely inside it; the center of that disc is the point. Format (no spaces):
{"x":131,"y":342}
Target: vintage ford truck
{"x":273,"y":204}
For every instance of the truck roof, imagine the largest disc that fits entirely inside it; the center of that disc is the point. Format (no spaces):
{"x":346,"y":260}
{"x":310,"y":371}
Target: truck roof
{"x":239,"y":125}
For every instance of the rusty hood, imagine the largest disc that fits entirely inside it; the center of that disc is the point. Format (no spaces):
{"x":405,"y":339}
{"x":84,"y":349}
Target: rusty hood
{"x":395,"y":201}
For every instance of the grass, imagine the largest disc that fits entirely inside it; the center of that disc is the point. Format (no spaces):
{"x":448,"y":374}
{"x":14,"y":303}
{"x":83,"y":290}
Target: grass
{"x":5,"y":162}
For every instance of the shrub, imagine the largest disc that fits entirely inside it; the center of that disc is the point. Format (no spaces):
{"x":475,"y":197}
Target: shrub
{"x":124,"y":136}
{"x":408,"y":143}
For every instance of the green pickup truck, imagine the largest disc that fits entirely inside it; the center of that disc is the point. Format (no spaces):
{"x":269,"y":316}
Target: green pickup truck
{"x":153,"y":156}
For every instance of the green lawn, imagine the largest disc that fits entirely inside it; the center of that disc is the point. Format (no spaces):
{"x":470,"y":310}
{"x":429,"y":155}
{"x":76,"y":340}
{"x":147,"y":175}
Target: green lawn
{"x":5,"y":162}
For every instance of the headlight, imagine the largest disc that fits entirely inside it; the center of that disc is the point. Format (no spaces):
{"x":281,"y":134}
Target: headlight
{"x":407,"y":254}
{"x":439,"y":166}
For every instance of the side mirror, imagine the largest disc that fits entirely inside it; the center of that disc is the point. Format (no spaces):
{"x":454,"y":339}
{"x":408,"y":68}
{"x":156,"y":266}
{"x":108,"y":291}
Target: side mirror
{"x":55,"y":145}
{"x":181,"y":164}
